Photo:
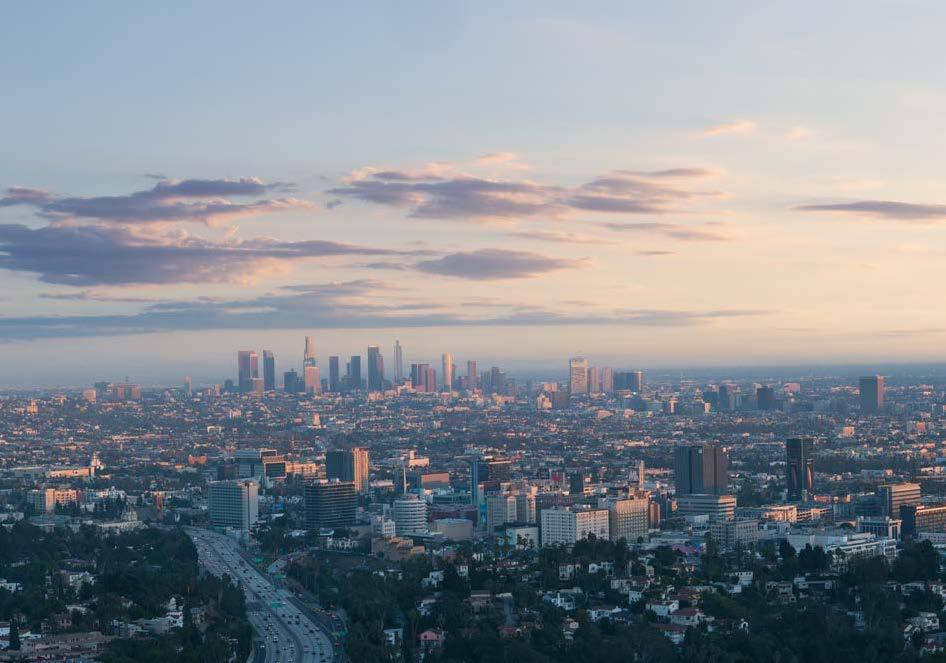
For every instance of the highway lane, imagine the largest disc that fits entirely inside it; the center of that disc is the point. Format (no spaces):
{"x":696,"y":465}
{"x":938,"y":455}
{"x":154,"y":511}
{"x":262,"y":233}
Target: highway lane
{"x":288,"y":634}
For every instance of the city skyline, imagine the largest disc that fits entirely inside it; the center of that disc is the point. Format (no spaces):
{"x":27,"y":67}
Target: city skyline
{"x":729,"y":231}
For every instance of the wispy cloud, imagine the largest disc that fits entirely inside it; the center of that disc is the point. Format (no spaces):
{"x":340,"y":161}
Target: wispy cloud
{"x":363,"y":304}
{"x":560,"y":237}
{"x":434,"y":194}
{"x":204,"y":201}
{"x":677,"y":231}
{"x":107,"y":255}
{"x":495,"y":264}
{"x":733,"y":127}
{"x":882,"y":209}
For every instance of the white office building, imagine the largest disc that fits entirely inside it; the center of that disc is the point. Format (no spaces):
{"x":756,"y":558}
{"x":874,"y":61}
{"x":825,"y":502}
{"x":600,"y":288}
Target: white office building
{"x":410,"y":516}
{"x":234,"y":503}
{"x":562,"y":526}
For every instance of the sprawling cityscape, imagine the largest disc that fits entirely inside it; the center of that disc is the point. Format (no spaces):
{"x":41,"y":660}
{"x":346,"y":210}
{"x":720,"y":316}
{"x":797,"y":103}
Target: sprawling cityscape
{"x":472,"y":332}
{"x":394,"y":510}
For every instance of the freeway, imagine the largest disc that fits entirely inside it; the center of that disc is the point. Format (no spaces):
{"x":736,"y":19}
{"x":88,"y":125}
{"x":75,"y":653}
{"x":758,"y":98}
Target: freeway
{"x":286,"y":634}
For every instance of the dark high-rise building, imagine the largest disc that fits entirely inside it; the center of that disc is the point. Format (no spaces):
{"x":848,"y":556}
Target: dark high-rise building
{"x":269,"y":370}
{"x":346,"y":465}
{"x":489,"y":472}
{"x":334,"y":375}
{"x":726,"y":398}
{"x":330,"y":504}
{"x":247,"y":369}
{"x":765,"y":398}
{"x":872,"y":394}
{"x":375,"y":369}
{"x":398,"y":363}
{"x":800,"y":469}
{"x":628,"y":381}
{"x":290,"y":382}
{"x":354,"y":372}
{"x":419,"y":376}
{"x":576,"y":483}
{"x":702,"y":470}
{"x":497,"y":379}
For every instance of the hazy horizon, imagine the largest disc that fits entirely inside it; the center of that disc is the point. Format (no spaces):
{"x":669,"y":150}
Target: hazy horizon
{"x":726,"y":185}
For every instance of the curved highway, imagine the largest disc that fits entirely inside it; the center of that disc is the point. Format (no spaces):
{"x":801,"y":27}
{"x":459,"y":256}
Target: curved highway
{"x":285,"y":633}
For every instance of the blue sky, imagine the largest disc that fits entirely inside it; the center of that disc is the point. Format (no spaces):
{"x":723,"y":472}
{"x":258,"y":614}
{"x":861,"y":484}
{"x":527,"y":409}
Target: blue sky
{"x":682,"y":184}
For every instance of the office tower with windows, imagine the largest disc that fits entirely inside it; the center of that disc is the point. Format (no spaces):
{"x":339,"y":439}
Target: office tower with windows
{"x":726,"y":398}
{"x":233,"y":503}
{"x":717,"y":507}
{"x":398,"y":362}
{"x":500,"y":510}
{"x":488,"y":472}
{"x":577,"y":376}
{"x":872,"y":394}
{"x":269,"y":370}
{"x":892,"y":496}
{"x":765,"y":398}
{"x":627,"y":519}
{"x":330,"y":504}
{"x":349,"y":465}
{"x":472,"y":377}
{"x":567,"y":526}
{"x":334,"y":375}
{"x":594,"y":380}
{"x":247,"y":369}
{"x":308,"y":354}
{"x":410,"y":516}
{"x":419,"y":375}
{"x":375,"y":369}
{"x":800,"y":469}
{"x":313,"y":382}
{"x":290,"y":382}
{"x":701,"y":469}
{"x":354,"y":372}
{"x":606,"y":376}
{"x":446,"y":375}
{"x":497,"y":380}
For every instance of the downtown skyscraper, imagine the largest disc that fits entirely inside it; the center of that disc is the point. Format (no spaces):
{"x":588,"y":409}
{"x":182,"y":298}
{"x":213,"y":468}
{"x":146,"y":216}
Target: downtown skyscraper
{"x":577,"y":376}
{"x":247,"y":369}
{"x":398,"y":362}
{"x":800,"y":468}
{"x":446,"y":361}
{"x":872,"y":394}
{"x":308,"y":355}
{"x":375,"y":369}
{"x":269,"y":370}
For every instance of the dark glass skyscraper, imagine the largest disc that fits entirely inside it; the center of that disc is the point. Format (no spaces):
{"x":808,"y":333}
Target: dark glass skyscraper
{"x":330,"y":504}
{"x":765,"y":398}
{"x":334,"y":375}
{"x":247,"y":369}
{"x":290,"y":382}
{"x":702,"y":469}
{"x":269,"y":370}
{"x":354,"y":372}
{"x":375,"y":369}
{"x":872,"y":394}
{"x":800,"y":471}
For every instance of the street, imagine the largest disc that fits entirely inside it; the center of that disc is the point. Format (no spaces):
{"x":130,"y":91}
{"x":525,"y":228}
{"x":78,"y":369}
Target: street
{"x":285,"y":634}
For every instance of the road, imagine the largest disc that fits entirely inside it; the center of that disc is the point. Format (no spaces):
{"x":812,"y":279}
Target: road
{"x":285,"y":633}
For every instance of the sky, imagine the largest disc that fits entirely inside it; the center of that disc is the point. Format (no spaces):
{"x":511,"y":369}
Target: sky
{"x":647,"y":184}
